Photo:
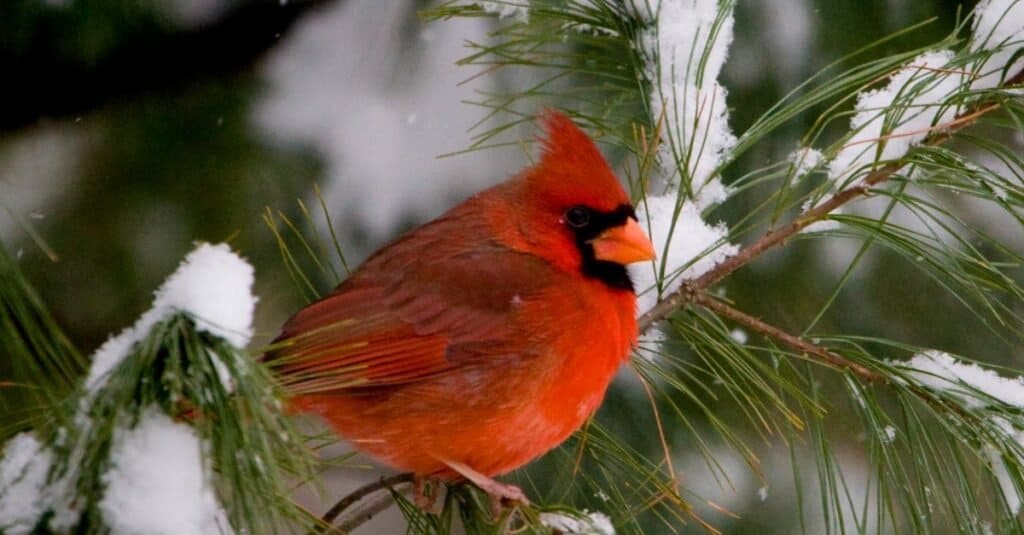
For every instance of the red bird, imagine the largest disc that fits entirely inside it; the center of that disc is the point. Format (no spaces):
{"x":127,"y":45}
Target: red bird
{"x":484,"y":338}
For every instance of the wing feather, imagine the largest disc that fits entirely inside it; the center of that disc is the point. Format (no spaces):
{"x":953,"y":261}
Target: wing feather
{"x":379,"y":329}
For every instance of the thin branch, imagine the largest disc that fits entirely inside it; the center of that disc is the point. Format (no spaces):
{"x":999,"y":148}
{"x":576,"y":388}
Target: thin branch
{"x":691,"y":288}
{"x":366,"y":513}
{"x":355,"y":496}
{"x":795,"y":342}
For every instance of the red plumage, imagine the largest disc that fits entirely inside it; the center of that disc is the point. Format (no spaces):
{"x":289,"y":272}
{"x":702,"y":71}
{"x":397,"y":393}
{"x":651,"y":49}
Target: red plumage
{"x":485,"y":337}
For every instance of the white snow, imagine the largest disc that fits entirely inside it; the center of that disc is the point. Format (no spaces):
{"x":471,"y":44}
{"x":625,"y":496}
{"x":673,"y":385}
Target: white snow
{"x":508,"y":8}
{"x":887,"y":122}
{"x":109,"y":355}
{"x":1001,"y":471}
{"x":345,"y":83}
{"x":999,"y":27}
{"x":804,"y":160}
{"x":60,"y":494}
{"x":822,"y":225}
{"x":213,"y":285}
{"x":942,"y":372}
{"x":595,"y":523}
{"x":645,"y":10}
{"x":890,"y":434}
{"x":687,"y":249}
{"x":157,"y":483}
{"x":23,"y":471}
{"x":28,"y":491}
{"x":687,"y":53}
{"x":739,"y":335}
{"x":762,"y":493}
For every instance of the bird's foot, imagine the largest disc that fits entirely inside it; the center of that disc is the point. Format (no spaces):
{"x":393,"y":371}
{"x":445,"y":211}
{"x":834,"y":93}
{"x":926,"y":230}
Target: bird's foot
{"x":502,"y":494}
{"x":425,"y":494}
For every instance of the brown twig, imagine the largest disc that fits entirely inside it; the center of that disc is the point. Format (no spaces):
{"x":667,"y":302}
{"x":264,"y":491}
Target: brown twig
{"x":722,"y":309}
{"x":355,"y":496}
{"x":365,"y":513}
{"x":691,"y":288}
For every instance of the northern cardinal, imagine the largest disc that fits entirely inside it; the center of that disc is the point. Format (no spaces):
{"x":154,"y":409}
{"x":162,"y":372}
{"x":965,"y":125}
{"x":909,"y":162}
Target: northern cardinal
{"x":484,"y":338}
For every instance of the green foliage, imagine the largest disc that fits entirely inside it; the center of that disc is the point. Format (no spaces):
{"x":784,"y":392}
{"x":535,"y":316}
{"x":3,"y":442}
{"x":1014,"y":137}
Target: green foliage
{"x":230,"y":399}
{"x":252,"y":447}
{"x":576,"y":56}
{"x":842,"y":452}
{"x":40,"y":365}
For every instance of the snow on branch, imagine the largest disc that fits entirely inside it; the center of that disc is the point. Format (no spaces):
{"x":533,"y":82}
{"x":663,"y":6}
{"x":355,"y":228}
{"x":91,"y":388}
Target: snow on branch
{"x":927,"y":94}
{"x":687,"y":246}
{"x":157,"y":483}
{"x":686,"y":46}
{"x":213,"y":286}
{"x":23,"y":471}
{"x":998,"y":29}
{"x":977,"y":388}
{"x":155,"y":480}
{"x":595,"y":523}
{"x":887,"y":122}
{"x":508,"y":8}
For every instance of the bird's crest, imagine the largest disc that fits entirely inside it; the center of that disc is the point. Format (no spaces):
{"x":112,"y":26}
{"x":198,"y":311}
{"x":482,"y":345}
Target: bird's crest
{"x":571,"y":166}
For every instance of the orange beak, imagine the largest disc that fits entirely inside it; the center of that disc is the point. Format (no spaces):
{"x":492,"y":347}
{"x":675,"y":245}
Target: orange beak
{"x":624,"y":244}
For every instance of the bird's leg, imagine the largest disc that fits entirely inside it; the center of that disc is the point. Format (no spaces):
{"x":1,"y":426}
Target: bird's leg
{"x":501,"y":494}
{"x":425,"y":493}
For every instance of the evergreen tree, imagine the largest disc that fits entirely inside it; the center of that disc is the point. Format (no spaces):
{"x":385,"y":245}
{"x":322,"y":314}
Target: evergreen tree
{"x":789,"y":345}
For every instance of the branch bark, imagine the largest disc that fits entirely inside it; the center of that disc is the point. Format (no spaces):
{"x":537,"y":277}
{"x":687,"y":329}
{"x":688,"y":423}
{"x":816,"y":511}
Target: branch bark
{"x":722,"y":309}
{"x":365,"y":513}
{"x":327,"y":521}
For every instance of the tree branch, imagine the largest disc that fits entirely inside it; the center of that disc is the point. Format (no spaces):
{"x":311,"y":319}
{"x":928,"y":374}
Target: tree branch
{"x":366,"y":513}
{"x":820,"y":353}
{"x":691,"y":288}
{"x":355,"y":496}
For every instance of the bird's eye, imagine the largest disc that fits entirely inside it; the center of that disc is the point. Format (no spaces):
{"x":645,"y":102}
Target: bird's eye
{"x":578,"y":216}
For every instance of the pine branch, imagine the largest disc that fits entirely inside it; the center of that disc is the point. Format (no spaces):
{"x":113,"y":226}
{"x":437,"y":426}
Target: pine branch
{"x":715,"y":305}
{"x":357,"y":495}
{"x":366,"y":513}
{"x":688,"y":291}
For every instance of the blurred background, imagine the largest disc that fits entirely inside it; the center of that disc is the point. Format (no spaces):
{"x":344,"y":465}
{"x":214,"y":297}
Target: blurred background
{"x":132,"y":129}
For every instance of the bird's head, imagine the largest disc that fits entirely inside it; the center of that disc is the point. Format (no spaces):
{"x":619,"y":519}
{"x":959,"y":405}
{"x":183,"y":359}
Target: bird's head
{"x":580,"y":217}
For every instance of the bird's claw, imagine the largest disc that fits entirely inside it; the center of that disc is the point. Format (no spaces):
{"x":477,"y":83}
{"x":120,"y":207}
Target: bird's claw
{"x":503,"y":496}
{"x":425,"y":494}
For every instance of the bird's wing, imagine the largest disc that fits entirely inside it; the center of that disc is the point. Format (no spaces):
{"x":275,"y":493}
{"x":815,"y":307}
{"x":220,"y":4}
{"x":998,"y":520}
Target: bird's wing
{"x":398,"y":326}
